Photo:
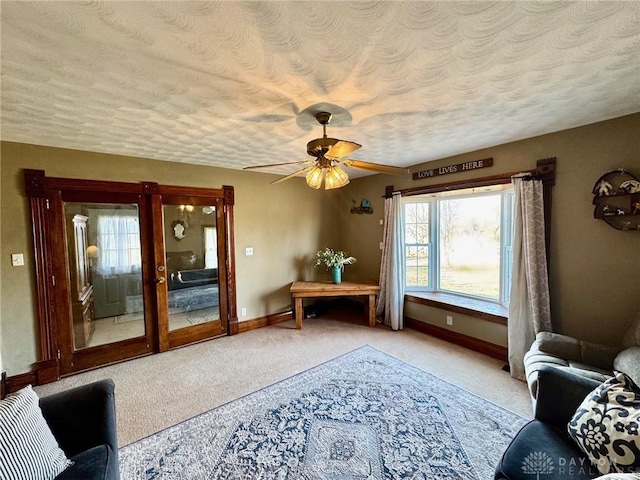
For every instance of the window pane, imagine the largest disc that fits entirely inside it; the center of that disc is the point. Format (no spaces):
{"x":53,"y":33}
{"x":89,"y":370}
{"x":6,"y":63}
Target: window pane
{"x":470,"y":245}
{"x":417,"y":244}
{"x":410,"y":234}
{"x":422,"y":223}
{"x":417,"y":266}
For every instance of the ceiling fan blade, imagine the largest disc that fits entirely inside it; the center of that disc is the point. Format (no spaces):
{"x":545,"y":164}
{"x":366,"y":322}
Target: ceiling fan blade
{"x":282,"y":179}
{"x":374,"y":167}
{"x":254,"y":167}
{"x":342,"y":148}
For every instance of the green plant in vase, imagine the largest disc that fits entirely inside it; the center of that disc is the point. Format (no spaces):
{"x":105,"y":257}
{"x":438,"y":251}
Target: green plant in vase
{"x":335,"y":261}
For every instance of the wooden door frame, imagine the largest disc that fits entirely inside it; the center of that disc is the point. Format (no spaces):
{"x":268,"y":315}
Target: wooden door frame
{"x":43,"y":193}
{"x":195,"y":197}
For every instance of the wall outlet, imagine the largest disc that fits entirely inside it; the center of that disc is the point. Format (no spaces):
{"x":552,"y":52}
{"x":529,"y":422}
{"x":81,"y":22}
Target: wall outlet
{"x":449,"y":320}
{"x":243,"y":312}
{"x":248,"y":251}
{"x":381,"y":246}
{"x":381,"y":222}
{"x":17,"y":259}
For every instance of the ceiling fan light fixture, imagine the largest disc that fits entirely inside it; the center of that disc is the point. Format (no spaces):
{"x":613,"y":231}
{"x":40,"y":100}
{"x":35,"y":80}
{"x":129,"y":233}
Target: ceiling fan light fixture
{"x":329,"y":153}
{"x":315,"y":176}
{"x":335,"y":178}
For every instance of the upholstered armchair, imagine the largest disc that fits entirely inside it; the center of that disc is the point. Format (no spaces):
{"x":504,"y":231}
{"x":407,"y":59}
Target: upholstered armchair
{"x":83,"y":421}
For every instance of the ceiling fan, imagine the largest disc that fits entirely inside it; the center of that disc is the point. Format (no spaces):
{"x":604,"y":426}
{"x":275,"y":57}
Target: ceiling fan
{"x":329,"y":153}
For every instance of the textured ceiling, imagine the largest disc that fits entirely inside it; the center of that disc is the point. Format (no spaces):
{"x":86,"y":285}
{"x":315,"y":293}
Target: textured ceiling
{"x":231,"y":84}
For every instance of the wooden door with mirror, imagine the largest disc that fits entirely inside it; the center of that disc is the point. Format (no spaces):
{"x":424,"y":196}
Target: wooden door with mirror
{"x":190,"y":278}
{"x":104,"y":313}
{"x":126,"y":269}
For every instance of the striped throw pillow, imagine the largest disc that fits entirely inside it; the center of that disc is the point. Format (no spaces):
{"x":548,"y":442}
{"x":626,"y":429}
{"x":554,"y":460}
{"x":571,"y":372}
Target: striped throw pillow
{"x":28,"y":449}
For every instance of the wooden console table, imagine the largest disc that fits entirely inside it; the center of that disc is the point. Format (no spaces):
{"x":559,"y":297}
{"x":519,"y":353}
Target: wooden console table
{"x":300,"y":290}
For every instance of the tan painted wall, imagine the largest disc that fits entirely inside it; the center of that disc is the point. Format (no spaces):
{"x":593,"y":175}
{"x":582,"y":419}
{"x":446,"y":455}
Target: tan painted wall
{"x":595,"y":274}
{"x":595,"y":269}
{"x":491,"y":332}
{"x":285,"y":224}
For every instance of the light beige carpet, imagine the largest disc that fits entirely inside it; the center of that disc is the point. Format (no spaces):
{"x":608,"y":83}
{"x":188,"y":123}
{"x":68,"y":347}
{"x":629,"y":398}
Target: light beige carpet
{"x":161,"y":390}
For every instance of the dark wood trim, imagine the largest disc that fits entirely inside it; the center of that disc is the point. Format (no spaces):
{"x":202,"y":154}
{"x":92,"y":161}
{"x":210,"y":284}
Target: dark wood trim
{"x":195,"y":333}
{"x":260,"y":322}
{"x":16,"y":382}
{"x":60,"y":288}
{"x":149,"y":294}
{"x":388,"y":191}
{"x":101,"y":355}
{"x":3,"y":385}
{"x":34,"y":183}
{"x":472,"y":343}
{"x":230,"y":242}
{"x":228,"y":195}
{"x":158,"y":294}
{"x":545,"y":171}
{"x":442,"y":303}
{"x":460,"y":184}
{"x":177,"y":191}
{"x":45,"y":304}
{"x":47,"y":371}
{"x":69,"y":184}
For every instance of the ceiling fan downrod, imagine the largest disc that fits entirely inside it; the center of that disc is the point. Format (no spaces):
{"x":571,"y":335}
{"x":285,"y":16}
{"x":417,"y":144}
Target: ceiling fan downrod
{"x":323,"y":119}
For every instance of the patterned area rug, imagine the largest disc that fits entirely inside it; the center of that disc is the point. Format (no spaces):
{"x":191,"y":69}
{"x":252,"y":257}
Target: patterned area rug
{"x":363,"y":415}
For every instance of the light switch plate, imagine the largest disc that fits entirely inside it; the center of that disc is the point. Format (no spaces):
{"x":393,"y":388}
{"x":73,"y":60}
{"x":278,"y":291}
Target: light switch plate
{"x":17,"y":259}
{"x":248,"y":251}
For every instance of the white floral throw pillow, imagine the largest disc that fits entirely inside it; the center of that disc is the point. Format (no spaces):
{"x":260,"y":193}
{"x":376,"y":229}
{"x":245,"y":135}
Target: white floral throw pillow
{"x":606,"y":424}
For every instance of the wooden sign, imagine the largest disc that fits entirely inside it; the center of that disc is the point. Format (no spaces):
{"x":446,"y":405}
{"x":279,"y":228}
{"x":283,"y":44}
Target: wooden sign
{"x":460,"y":167}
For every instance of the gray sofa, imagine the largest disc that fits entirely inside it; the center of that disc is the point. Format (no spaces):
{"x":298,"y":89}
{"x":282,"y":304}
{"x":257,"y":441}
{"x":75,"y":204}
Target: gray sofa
{"x":586,"y":359}
{"x":560,"y":395}
{"x":83,"y":421}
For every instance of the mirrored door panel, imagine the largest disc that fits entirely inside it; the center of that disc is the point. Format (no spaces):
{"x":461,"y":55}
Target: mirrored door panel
{"x":191,"y":262}
{"x":127,"y":269}
{"x":105,"y":269}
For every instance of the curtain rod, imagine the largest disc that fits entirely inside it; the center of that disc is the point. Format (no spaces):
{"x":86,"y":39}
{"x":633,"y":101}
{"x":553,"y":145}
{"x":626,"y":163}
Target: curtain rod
{"x":545,"y":170}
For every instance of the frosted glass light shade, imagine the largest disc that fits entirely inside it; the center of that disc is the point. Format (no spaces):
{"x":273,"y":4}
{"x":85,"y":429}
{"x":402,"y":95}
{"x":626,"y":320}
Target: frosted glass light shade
{"x":335,"y":178}
{"x":314,"y":177}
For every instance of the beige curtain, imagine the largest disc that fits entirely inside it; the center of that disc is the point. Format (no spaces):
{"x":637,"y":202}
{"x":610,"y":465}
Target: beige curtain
{"x":390,"y":304}
{"x":529,"y":307}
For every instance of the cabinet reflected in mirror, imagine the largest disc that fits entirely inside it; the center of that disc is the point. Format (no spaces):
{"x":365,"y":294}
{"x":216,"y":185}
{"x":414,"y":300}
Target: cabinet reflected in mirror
{"x":101,"y":268}
{"x":105,"y":272}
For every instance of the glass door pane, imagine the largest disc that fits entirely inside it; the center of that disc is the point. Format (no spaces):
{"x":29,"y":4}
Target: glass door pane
{"x":191,"y":260}
{"x":105,"y":269}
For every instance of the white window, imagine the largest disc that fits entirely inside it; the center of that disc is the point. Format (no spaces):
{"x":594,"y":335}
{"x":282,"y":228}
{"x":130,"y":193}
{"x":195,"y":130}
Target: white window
{"x":460,"y":242}
{"x":210,"y":247}
{"x":119,"y":243}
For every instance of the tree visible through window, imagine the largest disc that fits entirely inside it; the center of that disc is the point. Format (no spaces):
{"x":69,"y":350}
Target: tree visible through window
{"x":417,"y":244}
{"x":460,"y":242}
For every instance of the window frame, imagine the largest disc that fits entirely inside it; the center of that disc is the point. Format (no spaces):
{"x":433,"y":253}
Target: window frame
{"x":434,"y":200}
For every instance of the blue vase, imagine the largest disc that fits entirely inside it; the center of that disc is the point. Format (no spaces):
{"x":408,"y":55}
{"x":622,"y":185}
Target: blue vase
{"x":336,"y":275}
